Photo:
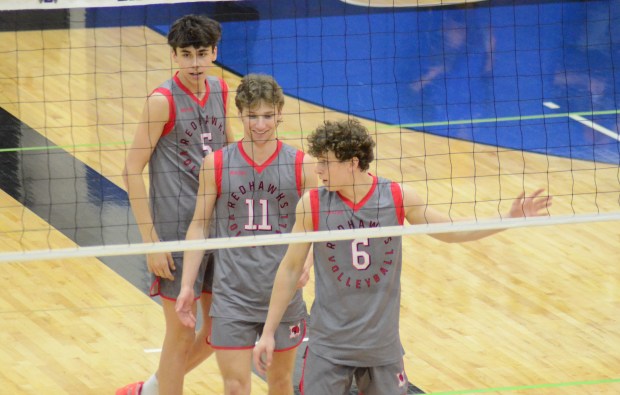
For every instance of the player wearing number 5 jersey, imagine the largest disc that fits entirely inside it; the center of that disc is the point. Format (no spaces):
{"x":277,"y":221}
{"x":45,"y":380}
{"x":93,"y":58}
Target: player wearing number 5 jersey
{"x":183,"y":120}
{"x":254,"y":186}
{"x":354,"y":321}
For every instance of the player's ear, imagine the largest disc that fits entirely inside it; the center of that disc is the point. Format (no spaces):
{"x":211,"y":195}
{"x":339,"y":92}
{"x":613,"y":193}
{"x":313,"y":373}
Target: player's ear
{"x":214,"y":53}
{"x":355,"y":162}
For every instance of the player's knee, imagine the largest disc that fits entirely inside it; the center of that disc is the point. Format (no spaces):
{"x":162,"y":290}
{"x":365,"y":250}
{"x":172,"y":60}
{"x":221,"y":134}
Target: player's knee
{"x":183,"y":340}
{"x":280,"y":384}
{"x":234,"y":386}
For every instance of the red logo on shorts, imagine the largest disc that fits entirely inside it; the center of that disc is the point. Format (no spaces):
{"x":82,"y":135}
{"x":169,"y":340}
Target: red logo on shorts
{"x":294,"y":331}
{"x":402,"y":379}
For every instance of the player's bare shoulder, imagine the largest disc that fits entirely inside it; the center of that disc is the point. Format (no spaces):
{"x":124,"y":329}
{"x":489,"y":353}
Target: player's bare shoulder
{"x":311,"y":179}
{"x":413,"y":203}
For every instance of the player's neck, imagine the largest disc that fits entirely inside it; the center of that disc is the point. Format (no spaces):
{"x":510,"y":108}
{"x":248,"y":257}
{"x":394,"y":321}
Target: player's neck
{"x":259,"y":151}
{"x":358,"y":187}
{"x":197,"y":87}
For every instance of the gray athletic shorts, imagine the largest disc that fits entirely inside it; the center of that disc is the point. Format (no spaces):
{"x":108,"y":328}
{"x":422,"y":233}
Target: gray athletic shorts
{"x":169,"y":289}
{"x":320,"y":377}
{"x":227,"y":333}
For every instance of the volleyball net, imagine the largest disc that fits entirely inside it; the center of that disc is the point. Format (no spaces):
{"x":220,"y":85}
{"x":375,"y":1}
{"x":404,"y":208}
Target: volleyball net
{"x":470,"y":104}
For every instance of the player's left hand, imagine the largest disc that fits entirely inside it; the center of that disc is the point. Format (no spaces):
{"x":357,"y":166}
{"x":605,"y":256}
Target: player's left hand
{"x":263,"y":353}
{"x":534,"y":205}
{"x":183,"y":307}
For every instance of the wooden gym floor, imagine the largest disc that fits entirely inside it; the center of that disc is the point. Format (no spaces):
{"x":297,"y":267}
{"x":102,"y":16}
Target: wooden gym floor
{"x":528,"y":311}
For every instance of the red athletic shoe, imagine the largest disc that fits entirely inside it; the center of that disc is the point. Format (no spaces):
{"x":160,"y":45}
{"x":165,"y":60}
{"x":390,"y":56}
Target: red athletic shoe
{"x":131,"y":389}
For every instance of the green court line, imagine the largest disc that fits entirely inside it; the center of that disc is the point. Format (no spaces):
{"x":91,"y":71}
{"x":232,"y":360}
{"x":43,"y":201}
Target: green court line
{"x":528,"y":387}
{"x":404,"y":125}
{"x":65,"y":147}
{"x":506,"y":119}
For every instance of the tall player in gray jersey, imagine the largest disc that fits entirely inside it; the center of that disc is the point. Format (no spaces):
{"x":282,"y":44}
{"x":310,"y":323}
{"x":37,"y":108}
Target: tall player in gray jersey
{"x":183,"y":120}
{"x":354,"y":321}
{"x":254,"y":186}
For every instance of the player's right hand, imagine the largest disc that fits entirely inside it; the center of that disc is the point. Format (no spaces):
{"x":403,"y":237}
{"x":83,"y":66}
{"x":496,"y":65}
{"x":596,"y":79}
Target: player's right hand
{"x":161,"y":264}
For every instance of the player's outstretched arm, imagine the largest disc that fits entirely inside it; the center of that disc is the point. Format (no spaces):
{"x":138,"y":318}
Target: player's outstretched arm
{"x":418,"y":212}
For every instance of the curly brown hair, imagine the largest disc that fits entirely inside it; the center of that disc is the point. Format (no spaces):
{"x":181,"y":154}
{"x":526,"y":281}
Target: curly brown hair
{"x":255,"y":89}
{"x":194,"y":31}
{"x":347,"y":139}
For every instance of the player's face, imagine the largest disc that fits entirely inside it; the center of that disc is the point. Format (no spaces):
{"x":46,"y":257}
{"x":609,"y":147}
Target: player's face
{"x":259,"y":123}
{"x":194,"y":62}
{"x":335,"y":174}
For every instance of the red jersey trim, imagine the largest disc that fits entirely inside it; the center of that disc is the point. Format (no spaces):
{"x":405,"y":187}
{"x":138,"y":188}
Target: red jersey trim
{"x":314,"y":207}
{"x":218,"y":163}
{"x":191,"y":94}
{"x":303,"y":371}
{"x":259,"y":168}
{"x":299,"y":172}
{"x":232,"y":348}
{"x":361,"y":203}
{"x":397,"y":194}
{"x":155,"y":290}
{"x":172,"y":110}
{"x":224,"y":86}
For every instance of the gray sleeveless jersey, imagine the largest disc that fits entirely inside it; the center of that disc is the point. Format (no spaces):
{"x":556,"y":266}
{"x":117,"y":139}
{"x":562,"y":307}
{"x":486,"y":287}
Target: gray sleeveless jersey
{"x":254,"y":200}
{"x":354,"y":320}
{"x":195,"y":129}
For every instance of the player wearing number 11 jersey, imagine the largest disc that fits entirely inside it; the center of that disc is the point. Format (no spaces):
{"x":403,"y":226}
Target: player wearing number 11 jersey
{"x":254,"y":187}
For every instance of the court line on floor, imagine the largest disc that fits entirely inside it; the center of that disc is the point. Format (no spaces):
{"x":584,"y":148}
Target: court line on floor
{"x":578,"y":116}
{"x":528,"y":387}
{"x":586,"y":122}
{"x":63,"y":147}
{"x":507,"y":119}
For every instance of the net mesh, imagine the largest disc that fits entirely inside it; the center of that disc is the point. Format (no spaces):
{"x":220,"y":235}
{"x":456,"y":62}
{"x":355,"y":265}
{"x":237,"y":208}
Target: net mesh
{"x":470,"y":105}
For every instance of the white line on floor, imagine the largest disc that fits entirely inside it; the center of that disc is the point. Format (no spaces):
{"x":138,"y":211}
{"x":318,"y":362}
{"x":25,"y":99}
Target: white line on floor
{"x":586,"y":122}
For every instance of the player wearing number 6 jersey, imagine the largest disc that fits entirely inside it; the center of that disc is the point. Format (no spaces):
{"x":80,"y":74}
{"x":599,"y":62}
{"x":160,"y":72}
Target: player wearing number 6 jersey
{"x":354,"y":320}
{"x":254,"y":186}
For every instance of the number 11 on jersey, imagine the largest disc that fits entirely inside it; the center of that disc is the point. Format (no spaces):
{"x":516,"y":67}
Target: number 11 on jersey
{"x":265,"y":215}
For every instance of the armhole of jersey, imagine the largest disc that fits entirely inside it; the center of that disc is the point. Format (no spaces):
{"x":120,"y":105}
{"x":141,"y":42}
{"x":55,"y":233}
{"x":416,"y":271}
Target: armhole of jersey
{"x":299,"y":172}
{"x":171,"y":110}
{"x":224,"y":87}
{"x":314,"y":207}
{"x":397,"y":195}
{"x":218,"y":163}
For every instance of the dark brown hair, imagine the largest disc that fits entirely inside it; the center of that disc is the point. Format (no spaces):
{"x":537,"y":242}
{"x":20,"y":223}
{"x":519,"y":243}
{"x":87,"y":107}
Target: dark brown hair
{"x":194,"y":31}
{"x":347,"y":139}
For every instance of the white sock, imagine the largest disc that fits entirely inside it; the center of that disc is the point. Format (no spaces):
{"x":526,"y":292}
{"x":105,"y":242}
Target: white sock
{"x":150,"y":386}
